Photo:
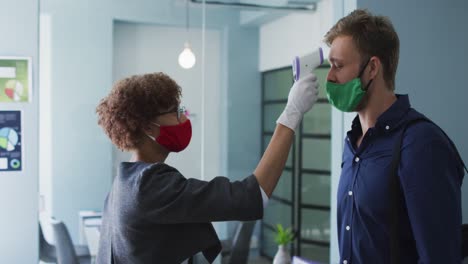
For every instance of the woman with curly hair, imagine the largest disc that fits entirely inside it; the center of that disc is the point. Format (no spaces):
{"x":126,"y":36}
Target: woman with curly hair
{"x":153,"y":214}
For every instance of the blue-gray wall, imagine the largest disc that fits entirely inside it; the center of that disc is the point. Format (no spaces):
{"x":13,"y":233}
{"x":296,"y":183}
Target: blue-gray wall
{"x":432,"y":68}
{"x":81,"y":74}
{"x":243,"y":102}
{"x":243,"y":98}
{"x":19,"y":24}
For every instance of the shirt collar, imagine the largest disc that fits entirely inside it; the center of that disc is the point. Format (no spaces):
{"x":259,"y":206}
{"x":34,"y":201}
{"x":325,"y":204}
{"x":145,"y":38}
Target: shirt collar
{"x":392,"y":117}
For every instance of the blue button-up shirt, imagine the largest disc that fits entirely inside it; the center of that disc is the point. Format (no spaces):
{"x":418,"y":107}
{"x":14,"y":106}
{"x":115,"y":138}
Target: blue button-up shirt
{"x":430,"y":179}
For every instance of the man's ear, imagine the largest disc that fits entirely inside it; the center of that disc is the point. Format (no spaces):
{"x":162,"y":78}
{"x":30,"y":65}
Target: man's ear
{"x":374,"y":67}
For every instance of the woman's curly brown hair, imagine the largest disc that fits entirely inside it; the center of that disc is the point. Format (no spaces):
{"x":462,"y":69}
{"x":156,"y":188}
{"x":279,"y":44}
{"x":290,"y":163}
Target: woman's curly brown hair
{"x":133,"y":103}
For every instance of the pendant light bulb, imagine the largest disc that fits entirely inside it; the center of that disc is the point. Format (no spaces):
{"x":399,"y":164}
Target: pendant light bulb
{"x":186,"y":57}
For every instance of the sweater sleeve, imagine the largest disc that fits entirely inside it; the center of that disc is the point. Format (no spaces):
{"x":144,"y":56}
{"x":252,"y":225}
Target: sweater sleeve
{"x":167,"y":197}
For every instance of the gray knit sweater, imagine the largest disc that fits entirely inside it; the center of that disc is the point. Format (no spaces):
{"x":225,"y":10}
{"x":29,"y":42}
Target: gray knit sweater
{"x":153,"y":214}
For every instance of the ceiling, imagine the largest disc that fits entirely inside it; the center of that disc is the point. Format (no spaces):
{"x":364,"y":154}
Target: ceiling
{"x":258,"y":12}
{"x":291,"y":5}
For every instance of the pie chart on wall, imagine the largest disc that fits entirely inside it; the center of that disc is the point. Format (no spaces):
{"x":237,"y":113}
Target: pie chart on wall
{"x":8,"y":138}
{"x":14,"y":90}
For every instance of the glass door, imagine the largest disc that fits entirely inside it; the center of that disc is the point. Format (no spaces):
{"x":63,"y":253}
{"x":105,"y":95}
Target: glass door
{"x":301,"y":199}
{"x":280,"y":210}
{"x":314,"y":178}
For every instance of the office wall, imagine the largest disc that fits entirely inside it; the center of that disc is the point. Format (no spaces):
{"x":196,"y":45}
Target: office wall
{"x":292,"y":35}
{"x":432,"y":68}
{"x":80,"y":75}
{"x":242,"y":106}
{"x":19,"y":24}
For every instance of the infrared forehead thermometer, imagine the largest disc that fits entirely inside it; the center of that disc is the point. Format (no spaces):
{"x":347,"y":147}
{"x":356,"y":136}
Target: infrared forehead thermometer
{"x":301,"y":66}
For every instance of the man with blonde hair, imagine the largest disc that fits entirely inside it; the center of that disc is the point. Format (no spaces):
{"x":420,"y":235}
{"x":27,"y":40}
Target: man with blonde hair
{"x":396,"y":203}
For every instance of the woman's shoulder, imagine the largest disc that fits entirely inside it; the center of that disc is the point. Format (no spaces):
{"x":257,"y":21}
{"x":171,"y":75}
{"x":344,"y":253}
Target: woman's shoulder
{"x":159,"y":168}
{"x":144,"y":168}
{"x":152,"y":175}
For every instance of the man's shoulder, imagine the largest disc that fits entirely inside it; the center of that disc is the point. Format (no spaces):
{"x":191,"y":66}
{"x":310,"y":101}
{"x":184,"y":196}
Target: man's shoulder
{"x":422,"y":132}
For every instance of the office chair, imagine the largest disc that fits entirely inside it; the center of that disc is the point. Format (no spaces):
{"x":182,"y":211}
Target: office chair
{"x":47,"y":252}
{"x":464,"y":250}
{"x":236,"y":251}
{"x":67,"y":253}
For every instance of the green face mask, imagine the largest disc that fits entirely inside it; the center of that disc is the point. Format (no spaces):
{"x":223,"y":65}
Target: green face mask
{"x":347,"y":96}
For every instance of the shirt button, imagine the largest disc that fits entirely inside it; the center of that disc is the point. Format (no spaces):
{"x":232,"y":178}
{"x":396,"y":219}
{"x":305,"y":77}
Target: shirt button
{"x":345,"y":261}
{"x":387,"y":127}
{"x":348,"y":228}
{"x":356,"y":159}
{"x":350,"y":193}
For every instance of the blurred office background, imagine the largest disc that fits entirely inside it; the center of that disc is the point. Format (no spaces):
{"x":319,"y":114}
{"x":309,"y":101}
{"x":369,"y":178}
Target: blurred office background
{"x":234,"y":92}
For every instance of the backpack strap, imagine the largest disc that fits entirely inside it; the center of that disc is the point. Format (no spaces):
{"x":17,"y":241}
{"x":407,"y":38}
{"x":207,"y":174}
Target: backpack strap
{"x":395,"y":198}
{"x":454,"y":147}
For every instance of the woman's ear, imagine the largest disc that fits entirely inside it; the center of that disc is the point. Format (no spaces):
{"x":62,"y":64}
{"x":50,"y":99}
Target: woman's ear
{"x":149,"y":129}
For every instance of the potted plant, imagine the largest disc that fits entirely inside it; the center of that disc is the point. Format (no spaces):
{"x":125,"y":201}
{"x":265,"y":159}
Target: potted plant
{"x":283,"y":237}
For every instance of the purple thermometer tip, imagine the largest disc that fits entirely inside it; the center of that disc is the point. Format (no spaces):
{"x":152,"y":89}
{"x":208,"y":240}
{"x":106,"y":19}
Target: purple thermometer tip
{"x":296,"y":68}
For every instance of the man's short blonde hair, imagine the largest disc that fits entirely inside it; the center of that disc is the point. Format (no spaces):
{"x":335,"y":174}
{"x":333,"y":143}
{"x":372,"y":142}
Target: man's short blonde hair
{"x":373,"y":36}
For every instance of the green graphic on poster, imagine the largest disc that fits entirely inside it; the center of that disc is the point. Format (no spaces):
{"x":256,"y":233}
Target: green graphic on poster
{"x":15,"y":79}
{"x":10,"y":141}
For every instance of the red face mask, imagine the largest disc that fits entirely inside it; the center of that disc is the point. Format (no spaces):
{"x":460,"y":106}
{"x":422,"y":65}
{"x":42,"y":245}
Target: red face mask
{"x":175,"y":138}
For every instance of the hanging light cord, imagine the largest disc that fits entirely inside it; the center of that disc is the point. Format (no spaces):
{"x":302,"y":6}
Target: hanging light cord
{"x":187,"y":16}
{"x":203,"y":94}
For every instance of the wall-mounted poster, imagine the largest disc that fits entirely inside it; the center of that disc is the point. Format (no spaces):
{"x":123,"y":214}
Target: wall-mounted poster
{"x":10,"y":141}
{"x":15,"y":79}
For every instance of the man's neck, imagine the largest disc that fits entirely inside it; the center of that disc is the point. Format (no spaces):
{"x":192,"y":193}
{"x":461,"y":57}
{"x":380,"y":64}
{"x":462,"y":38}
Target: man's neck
{"x":377,"y":104}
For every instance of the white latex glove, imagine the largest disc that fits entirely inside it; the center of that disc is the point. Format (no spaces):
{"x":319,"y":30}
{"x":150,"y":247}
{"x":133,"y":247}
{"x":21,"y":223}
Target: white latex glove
{"x":301,"y":98}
